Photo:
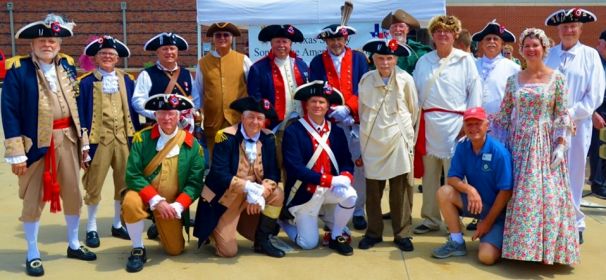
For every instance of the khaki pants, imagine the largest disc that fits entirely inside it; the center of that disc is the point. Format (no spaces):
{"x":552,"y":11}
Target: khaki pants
{"x":235,"y":219}
{"x":31,"y":188}
{"x":400,"y":203}
{"x":430,"y":211}
{"x":115,"y":155}
{"x":170,"y":231}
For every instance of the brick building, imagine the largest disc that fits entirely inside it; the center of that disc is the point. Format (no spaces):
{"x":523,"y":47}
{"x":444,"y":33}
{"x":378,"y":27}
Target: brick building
{"x":145,"y":18}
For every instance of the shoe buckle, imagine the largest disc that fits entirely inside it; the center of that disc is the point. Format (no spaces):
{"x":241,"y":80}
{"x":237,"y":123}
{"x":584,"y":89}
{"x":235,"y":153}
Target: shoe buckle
{"x":137,"y":252}
{"x":35,"y":264}
{"x":341,"y":239}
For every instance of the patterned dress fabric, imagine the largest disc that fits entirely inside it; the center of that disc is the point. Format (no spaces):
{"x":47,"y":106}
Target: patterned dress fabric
{"x":540,"y":221}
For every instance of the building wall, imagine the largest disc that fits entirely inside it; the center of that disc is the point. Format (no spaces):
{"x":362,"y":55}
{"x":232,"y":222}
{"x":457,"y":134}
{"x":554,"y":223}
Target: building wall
{"x":145,"y":18}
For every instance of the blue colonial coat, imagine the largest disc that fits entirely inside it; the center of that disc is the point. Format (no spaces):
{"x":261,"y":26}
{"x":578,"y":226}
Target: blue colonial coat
{"x":20,"y":108}
{"x":297,"y":149}
{"x":224,"y":167}
{"x":86,"y":106}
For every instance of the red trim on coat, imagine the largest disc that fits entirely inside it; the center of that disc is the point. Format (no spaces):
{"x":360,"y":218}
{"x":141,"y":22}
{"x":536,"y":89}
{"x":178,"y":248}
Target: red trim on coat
{"x":349,"y":175}
{"x":155,"y":132}
{"x":279,"y":87}
{"x":147,"y":193}
{"x":323,"y":164}
{"x":189,"y":139}
{"x":184,"y":199}
{"x":344,"y":82}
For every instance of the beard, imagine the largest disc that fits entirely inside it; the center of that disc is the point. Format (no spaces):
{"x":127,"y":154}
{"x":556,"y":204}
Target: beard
{"x":46,"y":55}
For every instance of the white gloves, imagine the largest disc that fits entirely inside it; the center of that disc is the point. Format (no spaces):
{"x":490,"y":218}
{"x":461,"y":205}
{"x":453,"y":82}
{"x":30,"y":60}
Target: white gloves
{"x":339,"y":190}
{"x":340,"y":180}
{"x":154,"y":201}
{"x":557,"y":156}
{"x":339,"y":113}
{"x":349,"y":121}
{"x":254,"y":194}
{"x":178,"y":208}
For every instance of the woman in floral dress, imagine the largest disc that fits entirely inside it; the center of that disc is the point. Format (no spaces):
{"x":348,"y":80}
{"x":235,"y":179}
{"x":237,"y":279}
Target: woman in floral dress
{"x":534,"y":122}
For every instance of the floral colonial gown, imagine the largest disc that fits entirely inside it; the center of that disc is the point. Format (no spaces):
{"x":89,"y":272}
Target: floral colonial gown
{"x":540,"y":221}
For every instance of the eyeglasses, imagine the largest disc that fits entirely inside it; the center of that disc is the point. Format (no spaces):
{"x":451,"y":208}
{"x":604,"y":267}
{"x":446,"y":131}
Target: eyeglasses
{"x":109,"y":54}
{"x":221,"y":34}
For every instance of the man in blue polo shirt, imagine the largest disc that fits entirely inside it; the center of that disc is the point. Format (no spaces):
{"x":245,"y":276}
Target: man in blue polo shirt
{"x":487,"y":167}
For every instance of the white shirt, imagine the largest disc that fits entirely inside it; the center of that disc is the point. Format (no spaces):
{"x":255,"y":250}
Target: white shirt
{"x":250,"y":144}
{"x":458,"y":87}
{"x":109,"y":81}
{"x":494,"y":73}
{"x":50,"y":73}
{"x":163,"y":139}
{"x":143,"y":86}
{"x":584,"y":78}
{"x":286,"y":67}
{"x":199,"y":81}
{"x":336,"y":61}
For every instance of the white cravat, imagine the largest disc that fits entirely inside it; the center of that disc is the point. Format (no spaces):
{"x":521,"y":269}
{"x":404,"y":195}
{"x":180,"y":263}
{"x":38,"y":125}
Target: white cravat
{"x":50,"y":73}
{"x":110,"y":82}
{"x":250,"y":144}
{"x":487,"y":65}
{"x":336,"y":61}
{"x":565,"y":57}
{"x":164,"y":138}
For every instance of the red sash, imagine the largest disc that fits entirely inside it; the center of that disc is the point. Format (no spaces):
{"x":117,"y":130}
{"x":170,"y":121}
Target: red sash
{"x":421,"y":145}
{"x":279,"y":87}
{"x":49,"y":176}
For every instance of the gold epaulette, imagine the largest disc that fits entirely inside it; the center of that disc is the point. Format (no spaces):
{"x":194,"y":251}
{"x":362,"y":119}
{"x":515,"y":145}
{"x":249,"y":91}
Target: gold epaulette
{"x":70,"y":60}
{"x":220,"y":136}
{"x":137,"y":138}
{"x":85,"y":75}
{"x":130,"y":76}
{"x":14,"y":61}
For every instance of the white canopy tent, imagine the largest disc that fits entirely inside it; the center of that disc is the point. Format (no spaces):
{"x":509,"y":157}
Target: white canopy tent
{"x":309,"y":16}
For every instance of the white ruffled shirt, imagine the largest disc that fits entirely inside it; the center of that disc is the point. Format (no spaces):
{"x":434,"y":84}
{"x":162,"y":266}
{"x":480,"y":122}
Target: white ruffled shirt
{"x":250,"y":144}
{"x":50,"y":73}
{"x":109,"y":81}
{"x":288,"y":77}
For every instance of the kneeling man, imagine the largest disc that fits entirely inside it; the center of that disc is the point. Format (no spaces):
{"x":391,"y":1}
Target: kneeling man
{"x":163,"y":174}
{"x":487,"y":166}
{"x":318,"y":171}
{"x":241,"y":193}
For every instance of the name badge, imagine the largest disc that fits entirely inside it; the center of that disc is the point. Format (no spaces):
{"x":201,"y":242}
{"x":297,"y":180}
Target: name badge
{"x":487,"y":157}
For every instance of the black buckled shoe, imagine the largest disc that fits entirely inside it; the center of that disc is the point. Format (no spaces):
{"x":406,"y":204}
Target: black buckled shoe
{"x":404,"y":244}
{"x":359,"y":222}
{"x":121,"y":233}
{"x":473,"y":225}
{"x":340,"y":245}
{"x":92,"y":239}
{"x":368,"y":242}
{"x":138,"y":257}
{"x":34,"y":267}
{"x":81,"y":253}
{"x":152,"y":232}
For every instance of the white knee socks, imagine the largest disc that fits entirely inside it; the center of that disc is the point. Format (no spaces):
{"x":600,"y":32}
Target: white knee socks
{"x":117,"y":223}
{"x":73,"y":222}
{"x":31,"y":237}
{"x":135,"y":231}
{"x":91,"y":224}
{"x":343,"y":212}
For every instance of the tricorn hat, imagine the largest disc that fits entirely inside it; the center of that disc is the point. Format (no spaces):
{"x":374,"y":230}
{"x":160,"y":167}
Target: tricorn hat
{"x":319,"y":88}
{"x":250,"y":104}
{"x":495,"y":28}
{"x":164,"y":101}
{"x":391,"y":47}
{"x":52,"y":26}
{"x":223,"y":26}
{"x":399,"y":16}
{"x":570,"y":15}
{"x":336,"y":31}
{"x":106,"y":42}
{"x":166,"y":39}
{"x":281,"y":31}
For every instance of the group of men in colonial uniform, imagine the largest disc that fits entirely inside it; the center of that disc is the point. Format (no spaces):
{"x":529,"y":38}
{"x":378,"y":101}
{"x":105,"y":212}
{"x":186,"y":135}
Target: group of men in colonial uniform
{"x":340,"y":132}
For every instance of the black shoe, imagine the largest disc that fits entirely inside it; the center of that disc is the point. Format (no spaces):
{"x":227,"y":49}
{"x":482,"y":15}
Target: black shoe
{"x":581,"y":237}
{"x":359,"y":222}
{"x":340,"y":245}
{"x":265,"y":247}
{"x":121,"y":233}
{"x":598,"y":191}
{"x":387,"y":216}
{"x":405,"y":244}
{"x":138,"y":257}
{"x":152,"y":232}
{"x":473,"y":225}
{"x":34,"y":267}
{"x":81,"y":253}
{"x":420,"y":188}
{"x":92,"y":239}
{"x":368,"y":242}
{"x":262,"y":238}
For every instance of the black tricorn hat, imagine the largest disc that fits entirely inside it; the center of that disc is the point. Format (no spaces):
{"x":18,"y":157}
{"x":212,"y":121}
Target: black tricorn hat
{"x":336,"y":31}
{"x":570,"y":15}
{"x":495,"y":28}
{"x":166,"y":39}
{"x":319,"y":88}
{"x":164,"y":101}
{"x":398,"y":16}
{"x":391,"y":47}
{"x":248,"y":103}
{"x":223,"y":26}
{"x":52,"y":26}
{"x":107,"y":42}
{"x":281,"y":31}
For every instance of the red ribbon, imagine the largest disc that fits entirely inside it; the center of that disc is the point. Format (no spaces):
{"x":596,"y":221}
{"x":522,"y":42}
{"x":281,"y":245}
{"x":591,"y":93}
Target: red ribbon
{"x":49,"y":176}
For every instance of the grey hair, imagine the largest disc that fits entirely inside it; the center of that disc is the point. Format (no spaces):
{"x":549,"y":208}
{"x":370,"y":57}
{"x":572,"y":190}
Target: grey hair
{"x":536,"y":33}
